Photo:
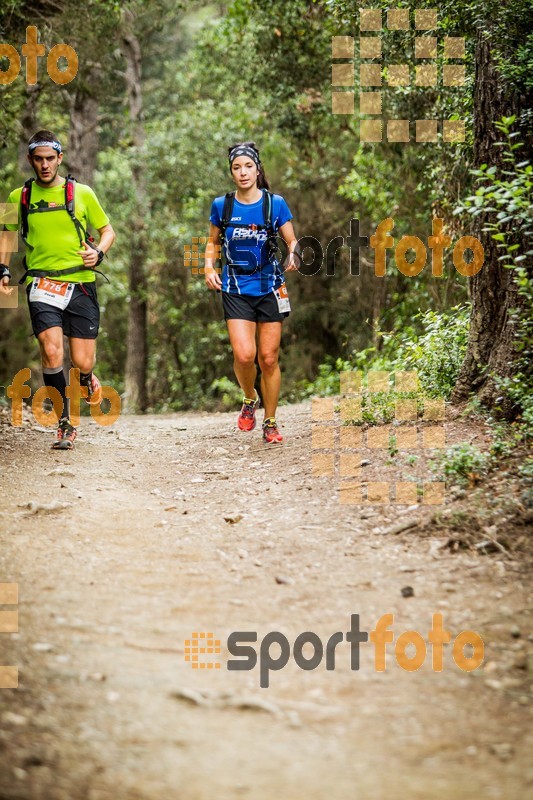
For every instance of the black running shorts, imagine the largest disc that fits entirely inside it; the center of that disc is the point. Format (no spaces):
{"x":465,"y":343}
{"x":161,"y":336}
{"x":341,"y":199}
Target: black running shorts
{"x":80,"y":319}
{"x":254,"y":309}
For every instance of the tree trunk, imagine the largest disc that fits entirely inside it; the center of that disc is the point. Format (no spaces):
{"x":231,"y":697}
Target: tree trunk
{"x":82,"y":147}
{"x":491,"y":352}
{"x":136,"y":358}
{"x":28,"y":125}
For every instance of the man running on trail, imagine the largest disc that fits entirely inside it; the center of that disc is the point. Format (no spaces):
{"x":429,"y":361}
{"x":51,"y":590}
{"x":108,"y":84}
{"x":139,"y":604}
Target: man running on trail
{"x":60,"y":270}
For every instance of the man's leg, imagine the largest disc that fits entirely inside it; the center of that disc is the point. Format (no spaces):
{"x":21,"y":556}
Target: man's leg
{"x":51,"y":345}
{"x":83,"y":357}
{"x":242,"y":339}
{"x":83,"y":354}
{"x":269,"y":342}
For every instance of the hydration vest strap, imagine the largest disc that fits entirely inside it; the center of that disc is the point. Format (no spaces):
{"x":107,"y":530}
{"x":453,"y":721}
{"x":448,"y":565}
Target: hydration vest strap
{"x":54,"y":274}
{"x":69,"y":207}
{"x":227,"y":213}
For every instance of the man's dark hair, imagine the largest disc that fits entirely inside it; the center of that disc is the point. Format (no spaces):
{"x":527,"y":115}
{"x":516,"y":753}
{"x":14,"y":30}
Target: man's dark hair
{"x":43,"y":136}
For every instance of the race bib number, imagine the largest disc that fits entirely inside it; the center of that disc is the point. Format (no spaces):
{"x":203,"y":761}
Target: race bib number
{"x":282,"y":296}
{"x":51,"y":292}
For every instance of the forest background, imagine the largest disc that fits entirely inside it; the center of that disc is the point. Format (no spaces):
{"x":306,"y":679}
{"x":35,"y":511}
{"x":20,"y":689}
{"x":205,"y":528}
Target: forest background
{"x":163,"y":88}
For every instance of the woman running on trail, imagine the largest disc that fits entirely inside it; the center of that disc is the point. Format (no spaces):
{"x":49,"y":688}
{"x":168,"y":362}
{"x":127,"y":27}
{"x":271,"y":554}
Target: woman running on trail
{"x":254,"y":295}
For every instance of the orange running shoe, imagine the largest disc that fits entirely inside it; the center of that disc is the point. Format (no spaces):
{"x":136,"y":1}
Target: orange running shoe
{"x":271,"y":434}
{"x":246,"y":420}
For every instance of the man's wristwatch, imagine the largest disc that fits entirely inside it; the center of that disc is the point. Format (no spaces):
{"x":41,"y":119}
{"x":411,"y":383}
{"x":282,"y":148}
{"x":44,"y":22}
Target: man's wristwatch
{"x":4,"y":271}
{"x":101,"y":255}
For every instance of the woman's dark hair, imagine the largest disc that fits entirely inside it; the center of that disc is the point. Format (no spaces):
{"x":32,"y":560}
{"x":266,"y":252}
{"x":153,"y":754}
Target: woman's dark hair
{"x":262,"y":182}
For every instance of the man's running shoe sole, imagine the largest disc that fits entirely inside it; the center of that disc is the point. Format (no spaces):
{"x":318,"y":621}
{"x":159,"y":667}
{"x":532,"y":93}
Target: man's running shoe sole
{"x":273,"y":441}
{"x":63,"y":444}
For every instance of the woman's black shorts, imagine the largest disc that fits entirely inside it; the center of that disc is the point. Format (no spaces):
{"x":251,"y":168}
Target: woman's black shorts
{"x":254,"y":309}
{"x":80,"y":319}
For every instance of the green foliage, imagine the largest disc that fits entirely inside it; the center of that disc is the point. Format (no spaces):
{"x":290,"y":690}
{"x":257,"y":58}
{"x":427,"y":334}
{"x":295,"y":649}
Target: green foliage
{"x":462,"y":463}
{"x":434,"y":345}
{"x":526,"y":470}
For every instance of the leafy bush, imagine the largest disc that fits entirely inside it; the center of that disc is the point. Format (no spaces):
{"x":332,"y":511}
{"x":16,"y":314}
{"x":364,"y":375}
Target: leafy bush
{"x":434,"y":346}
{"x":461,"y":463}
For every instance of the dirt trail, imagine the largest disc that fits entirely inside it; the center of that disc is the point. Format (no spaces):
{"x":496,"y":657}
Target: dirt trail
{"x":112,"y":584}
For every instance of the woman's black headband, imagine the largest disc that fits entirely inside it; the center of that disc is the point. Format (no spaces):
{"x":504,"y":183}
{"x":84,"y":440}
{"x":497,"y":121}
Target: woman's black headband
{"x":244,"y":150}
